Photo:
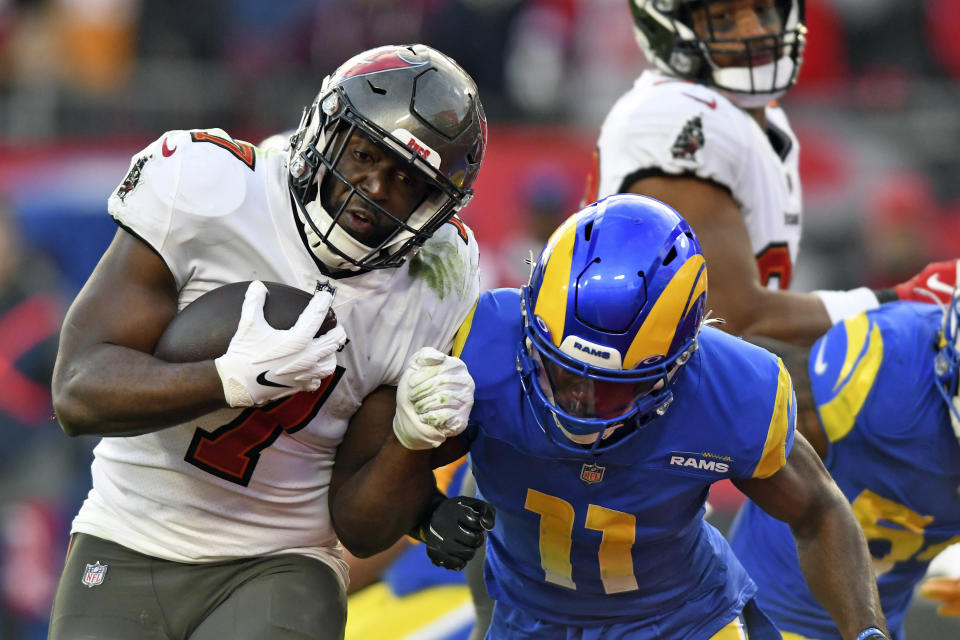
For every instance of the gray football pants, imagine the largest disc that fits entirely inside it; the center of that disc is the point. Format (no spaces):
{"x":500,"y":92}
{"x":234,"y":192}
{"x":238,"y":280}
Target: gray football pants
{"x":288,"y":597}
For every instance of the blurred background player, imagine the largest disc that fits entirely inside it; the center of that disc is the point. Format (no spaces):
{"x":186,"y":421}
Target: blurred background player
{"x":37,"y":476}
{"x":599,"y":449}
{"x":702,"y":132}
{"x":877,"y":398}
{"x":217,"y":481}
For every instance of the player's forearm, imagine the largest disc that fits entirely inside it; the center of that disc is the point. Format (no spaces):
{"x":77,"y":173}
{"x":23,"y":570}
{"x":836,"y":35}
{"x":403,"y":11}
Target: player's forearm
{"x":797,"y":318}
{"x":383,"y":500}
{"x":116,"y":391}
{"x":836,"y":565}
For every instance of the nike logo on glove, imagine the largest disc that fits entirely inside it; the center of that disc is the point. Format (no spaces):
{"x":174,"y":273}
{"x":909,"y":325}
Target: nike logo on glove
{"x":934,"y":283}
{"x":262,"y":380}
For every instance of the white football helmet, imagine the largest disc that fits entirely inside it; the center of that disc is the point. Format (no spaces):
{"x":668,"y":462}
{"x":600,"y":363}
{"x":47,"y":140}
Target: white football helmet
{"x":665,"y":32}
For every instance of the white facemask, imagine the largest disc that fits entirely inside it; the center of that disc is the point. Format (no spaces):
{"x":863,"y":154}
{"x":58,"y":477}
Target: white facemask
{"x":737,"y":81}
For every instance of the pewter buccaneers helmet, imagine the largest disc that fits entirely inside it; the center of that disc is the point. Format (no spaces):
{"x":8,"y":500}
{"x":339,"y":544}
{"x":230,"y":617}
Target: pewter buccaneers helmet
{"x":665,"y":32}
{"x":612,"y":311}
{"x":414,"y":103}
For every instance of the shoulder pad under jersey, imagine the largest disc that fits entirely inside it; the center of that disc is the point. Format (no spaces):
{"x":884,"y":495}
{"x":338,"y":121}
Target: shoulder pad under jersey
{"x":676,"y":127}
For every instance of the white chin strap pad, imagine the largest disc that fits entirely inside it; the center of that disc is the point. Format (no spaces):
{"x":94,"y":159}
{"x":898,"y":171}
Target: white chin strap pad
{"x":340,"y":238}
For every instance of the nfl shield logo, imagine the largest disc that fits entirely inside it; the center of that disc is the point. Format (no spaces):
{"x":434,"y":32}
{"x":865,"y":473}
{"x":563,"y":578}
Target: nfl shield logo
{"x":592,"y":473}
{"x":94,"y":573}
{"x":325,"y":286}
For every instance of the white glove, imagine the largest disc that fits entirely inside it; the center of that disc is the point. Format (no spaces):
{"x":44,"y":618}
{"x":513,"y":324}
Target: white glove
{"x":263,"y":364}
{"x":434,"y":399}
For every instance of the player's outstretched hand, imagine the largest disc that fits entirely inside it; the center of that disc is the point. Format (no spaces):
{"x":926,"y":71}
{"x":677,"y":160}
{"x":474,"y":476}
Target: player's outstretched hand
{"x":434,"y":399}
{"x":263,"y":364}
{"x":945,"y":591}
{"x":937,"y":279}
{"x":456,"y":529}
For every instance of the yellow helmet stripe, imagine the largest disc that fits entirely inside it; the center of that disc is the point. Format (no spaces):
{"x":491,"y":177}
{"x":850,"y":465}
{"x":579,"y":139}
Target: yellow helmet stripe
{"x":856,"y":328}
{"x":552,"y":308}
{"x":839,"y":415}
{"x":656,"y":334}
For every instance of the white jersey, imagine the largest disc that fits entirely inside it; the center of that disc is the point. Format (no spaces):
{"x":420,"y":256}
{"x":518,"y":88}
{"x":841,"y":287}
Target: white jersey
{"x":241,"y":483}
{"x":666,"y":125}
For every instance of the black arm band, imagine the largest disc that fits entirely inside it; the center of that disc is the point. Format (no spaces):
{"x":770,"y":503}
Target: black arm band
{"x":885,"y":295}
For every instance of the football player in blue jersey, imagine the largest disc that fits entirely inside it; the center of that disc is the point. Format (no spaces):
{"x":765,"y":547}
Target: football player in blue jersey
{"x":877,"y":398}
{"x":598,"y":411}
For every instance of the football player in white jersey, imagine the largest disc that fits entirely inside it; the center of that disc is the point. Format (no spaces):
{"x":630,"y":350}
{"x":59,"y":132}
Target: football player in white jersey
{"x":702,"y":132}
{"x":208,"y":516}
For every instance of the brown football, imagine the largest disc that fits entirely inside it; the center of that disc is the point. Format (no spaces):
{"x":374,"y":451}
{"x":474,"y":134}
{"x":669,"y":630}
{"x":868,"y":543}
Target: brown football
{"x":204,"y":328}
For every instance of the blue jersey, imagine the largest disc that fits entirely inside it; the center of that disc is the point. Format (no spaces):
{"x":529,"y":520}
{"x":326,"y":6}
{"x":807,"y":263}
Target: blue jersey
{"x":588,"y":540}
{"x":892,"y":452}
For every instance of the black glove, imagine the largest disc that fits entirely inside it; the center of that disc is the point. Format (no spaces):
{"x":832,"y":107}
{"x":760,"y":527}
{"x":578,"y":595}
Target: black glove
{"x":455,"y":529}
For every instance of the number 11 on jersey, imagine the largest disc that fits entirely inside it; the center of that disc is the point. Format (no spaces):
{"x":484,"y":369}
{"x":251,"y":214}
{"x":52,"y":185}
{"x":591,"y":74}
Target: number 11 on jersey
{"x":556,"y":538}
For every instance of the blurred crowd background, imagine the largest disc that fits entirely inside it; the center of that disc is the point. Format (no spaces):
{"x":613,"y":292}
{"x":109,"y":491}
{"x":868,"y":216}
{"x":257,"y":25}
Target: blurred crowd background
{"x":84,"y":84}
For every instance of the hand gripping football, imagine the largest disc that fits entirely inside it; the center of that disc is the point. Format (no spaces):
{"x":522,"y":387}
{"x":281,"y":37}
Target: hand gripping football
{"x":204,"y":328}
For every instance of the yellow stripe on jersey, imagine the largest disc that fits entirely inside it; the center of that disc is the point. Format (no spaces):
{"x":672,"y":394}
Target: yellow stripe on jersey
{"x":839,"y":415}
{"x":736,"y":629}
{"x":444,"y":475}
{"x":460,"y":339}
{"x":775,"y":448}
{"x":551,"y":303}
{"x":658,"y":330}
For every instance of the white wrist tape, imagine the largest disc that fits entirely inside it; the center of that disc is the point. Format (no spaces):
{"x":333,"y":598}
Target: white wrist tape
{"x":843,"y":304}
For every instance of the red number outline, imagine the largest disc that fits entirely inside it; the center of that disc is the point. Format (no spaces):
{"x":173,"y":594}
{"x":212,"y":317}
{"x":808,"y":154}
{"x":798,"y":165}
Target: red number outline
{"x":461,"y":228}
{"x":774,"y":261}
{"x":242,"y":150}
{"x":232,"y":451}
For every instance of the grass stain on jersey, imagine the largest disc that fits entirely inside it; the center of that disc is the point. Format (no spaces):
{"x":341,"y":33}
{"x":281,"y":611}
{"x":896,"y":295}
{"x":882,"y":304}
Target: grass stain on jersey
{"x":440,"y":265}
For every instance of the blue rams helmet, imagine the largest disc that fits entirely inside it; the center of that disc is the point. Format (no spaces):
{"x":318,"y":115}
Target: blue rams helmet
{"x":946,"y":362}
{"x":612,"y":311}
